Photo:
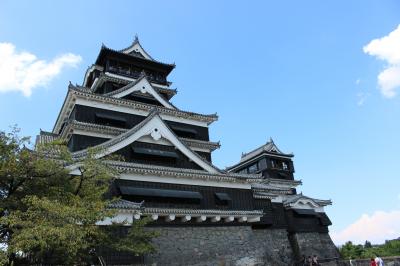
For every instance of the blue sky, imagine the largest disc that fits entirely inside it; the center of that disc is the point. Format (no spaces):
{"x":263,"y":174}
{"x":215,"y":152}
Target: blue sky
{"x":295,"y":71}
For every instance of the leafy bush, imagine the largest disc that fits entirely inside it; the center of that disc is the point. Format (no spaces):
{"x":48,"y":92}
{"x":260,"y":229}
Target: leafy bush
{"x":351,"y":251}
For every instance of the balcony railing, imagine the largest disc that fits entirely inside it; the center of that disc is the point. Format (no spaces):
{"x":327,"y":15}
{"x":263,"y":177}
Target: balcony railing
{"x":136,"y":74}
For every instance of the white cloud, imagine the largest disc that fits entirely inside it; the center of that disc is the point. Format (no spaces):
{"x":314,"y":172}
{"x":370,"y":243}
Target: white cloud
{"x":358,"y":81}
{"x":376,"y":228}
{"x":389,"y":80}
{"x":387,"y":49}
{"x":23,"y":71}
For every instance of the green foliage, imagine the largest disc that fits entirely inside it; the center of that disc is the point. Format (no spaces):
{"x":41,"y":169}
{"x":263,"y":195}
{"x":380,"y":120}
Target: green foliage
{"x":351,"y":251}
{"x":45,"y":211}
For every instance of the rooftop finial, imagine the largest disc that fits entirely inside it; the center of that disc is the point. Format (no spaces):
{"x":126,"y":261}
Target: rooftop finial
{"x":136,"y":38}
{"x":271,"y":140}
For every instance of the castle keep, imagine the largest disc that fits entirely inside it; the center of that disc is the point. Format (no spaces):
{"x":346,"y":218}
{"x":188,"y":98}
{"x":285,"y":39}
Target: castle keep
{"x":249,"y":213}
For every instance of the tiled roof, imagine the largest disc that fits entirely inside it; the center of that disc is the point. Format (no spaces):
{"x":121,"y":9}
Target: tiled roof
{"x":104,"y":47}
{"x":125,"y":204}
{"x":85,"y":92}
{"x":202,"y":212}
{"x":45,"y":137}
{"x":183,"y":172}
{"x":269,"y":147}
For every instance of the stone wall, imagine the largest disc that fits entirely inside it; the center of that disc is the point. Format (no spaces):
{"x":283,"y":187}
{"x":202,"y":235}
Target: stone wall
{"x":313,"y":243}
{"x":226,"y":245}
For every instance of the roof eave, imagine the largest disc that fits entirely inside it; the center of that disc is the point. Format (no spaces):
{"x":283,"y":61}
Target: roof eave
{"x":201,"y":117}
{"x":229,"y":168}
{"x":152,"y":63}
{"x":66,"y":100}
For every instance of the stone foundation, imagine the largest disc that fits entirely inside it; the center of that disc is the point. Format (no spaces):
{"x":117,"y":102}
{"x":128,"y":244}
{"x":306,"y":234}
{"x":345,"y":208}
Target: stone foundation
{"x":228,"y":245}
{"x":237,"y":246}
{"x":310,"y":244}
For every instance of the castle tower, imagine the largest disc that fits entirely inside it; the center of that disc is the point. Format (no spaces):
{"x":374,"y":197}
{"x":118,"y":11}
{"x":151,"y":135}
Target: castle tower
{"x":303,"y":217}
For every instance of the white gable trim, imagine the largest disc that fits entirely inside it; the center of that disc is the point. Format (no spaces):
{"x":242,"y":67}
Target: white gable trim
{"x":137,"y":48}
{"x":89,"y":71}
{"x":306,"y":203}
{"x":144,"y":86}
{"x":157,"y":129}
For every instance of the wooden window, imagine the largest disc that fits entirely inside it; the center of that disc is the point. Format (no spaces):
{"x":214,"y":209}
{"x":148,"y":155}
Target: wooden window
{"x":184,"y":132}
{"x":253,"y":168}
{"x":160,"y":193}
{"x":222,"y":198}
{"x":110,"y":120}
{"x":153,"y":152}
{"x":281,"y":165}
{"x":243,"y":171}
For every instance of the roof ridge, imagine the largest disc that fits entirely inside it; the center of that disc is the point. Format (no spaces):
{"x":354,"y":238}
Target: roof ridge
{"x":259,"y":147}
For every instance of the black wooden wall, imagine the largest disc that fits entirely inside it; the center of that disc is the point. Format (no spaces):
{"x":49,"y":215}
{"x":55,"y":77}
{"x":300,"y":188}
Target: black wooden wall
{"x":305,"y":223}
{"x":242,"y":199}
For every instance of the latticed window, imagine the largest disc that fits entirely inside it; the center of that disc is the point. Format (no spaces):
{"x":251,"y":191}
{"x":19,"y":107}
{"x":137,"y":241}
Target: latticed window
{"x":253,"y":168}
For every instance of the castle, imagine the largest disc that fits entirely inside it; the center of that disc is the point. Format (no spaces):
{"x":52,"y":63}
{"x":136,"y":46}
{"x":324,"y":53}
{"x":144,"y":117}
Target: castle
{"x":249,"y":213}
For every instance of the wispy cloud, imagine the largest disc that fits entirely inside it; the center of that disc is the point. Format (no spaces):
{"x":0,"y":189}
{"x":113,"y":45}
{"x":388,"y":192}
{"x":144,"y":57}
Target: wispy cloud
{"x":377,"y":228}
{"x":387,"y":49}
{"x":362,"y":97}
{"x":23,"y":71}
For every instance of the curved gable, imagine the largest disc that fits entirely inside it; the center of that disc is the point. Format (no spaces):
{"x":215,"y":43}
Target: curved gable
{"x":155,"y":127}
{"x":141,"y":85}
{"x":136,"y":48}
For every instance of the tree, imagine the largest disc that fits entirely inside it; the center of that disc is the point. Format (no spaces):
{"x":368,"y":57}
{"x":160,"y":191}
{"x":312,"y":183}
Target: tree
{"x":47,"y":213}
{"x":367,"y":244}
{"x":351,"y":251}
